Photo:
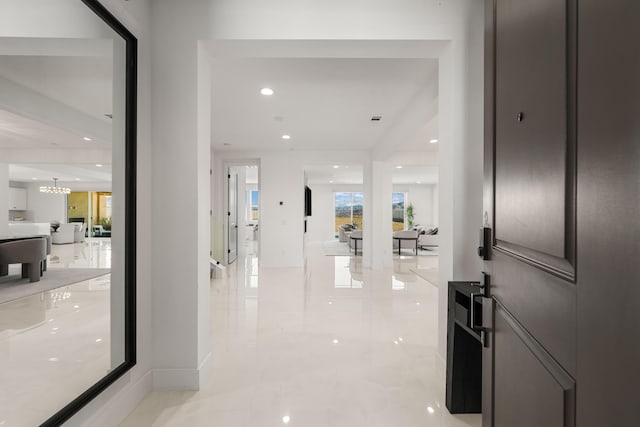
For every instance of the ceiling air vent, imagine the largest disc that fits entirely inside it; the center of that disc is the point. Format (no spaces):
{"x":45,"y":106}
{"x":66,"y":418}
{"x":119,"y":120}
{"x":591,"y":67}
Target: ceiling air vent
{"x":376,"y":118}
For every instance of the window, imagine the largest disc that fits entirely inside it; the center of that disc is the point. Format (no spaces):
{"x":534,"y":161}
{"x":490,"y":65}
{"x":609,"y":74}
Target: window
{"x":253,"y":199}
{"x":397,"y":205}
{"x":348,"y":209}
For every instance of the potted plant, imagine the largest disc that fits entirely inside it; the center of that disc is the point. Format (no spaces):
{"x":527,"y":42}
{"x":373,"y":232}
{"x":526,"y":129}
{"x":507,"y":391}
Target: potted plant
{"x":409,"y":216}
{"x":106,"y":223}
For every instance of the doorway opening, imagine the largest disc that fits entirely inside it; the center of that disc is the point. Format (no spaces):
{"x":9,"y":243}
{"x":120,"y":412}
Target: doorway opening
{"x":242,"y":229}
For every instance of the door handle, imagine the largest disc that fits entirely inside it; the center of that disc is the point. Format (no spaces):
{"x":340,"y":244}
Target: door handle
{"x":483,"y":287}
{"x":485,"y":243}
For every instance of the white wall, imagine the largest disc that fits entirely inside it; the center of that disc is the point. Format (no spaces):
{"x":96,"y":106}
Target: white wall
{"x":281,"y":180}
{"x":425,"y":206}
{"x":46,"y":207}
{"x":321,"y":223}
{"x":120,"y":398}
{"x":282,"y":208}
{"x":180,"y":158}
{"x":4,"y":199}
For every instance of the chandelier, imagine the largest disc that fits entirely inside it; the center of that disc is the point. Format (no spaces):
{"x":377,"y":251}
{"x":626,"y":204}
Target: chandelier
{"x":55,"y":189}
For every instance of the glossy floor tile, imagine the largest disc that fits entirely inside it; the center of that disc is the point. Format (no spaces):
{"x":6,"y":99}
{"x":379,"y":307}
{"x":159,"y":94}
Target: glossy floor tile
{"x":332,"y":344}
{"x":55,"y":344}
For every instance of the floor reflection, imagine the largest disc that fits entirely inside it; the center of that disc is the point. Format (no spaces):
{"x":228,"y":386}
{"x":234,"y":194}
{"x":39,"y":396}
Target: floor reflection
{"x":92,"y":253}
{"x":330,"y":344}
{"x":55,"y":344}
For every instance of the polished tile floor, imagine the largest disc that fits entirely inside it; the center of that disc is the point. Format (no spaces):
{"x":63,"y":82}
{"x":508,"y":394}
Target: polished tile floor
{"x":332,"y":344}
{"x":55,"y":344}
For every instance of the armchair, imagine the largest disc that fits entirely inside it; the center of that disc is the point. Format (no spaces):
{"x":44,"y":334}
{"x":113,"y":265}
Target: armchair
{"x":78,"y":233}
{"x":64,"y":234}
{"x":344,"y":231}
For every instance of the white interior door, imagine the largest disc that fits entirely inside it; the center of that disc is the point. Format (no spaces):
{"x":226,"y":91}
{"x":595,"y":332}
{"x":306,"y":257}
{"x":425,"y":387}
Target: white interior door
{"x":232,"y":213}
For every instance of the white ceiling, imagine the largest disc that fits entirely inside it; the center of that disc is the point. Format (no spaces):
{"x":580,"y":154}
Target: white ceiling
{"x":415,"y":174}
{"x":66,"y":173}
{"x":322,"y":103}
{"x":17,"y":131}
{"x":329,"y":174}
{"x":353,"y":174}
{"x":75,"y":85}
{"x":81,"y":82}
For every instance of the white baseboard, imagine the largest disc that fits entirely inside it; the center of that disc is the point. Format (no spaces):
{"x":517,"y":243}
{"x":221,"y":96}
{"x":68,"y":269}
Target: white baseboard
{"x":176,"y":379}
{"x":114,"y":404}
{"x":183,"y":379}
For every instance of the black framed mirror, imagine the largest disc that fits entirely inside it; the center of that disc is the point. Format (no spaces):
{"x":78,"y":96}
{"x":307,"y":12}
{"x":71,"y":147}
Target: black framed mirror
{"x":68,"y":112}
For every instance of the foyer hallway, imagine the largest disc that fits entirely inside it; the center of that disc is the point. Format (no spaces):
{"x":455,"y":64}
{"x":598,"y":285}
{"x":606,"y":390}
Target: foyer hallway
{"x":328,"y":345}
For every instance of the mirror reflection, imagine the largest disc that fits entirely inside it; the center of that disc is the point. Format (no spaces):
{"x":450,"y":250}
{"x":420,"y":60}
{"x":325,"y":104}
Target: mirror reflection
{"x":62,"y":92}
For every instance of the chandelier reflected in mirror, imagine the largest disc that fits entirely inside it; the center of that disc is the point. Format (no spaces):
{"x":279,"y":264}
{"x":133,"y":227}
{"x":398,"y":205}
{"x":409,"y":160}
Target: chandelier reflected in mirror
{"x":55,"y":189}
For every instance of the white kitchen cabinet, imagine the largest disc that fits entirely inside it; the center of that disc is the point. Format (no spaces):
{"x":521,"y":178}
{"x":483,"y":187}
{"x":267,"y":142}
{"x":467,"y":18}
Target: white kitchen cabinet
{"x":17,"y":199}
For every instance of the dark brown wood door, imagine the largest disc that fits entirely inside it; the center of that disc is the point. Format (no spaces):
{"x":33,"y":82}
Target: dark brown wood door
{"x":530,"y":203}
{"x":562,"y":197}
{"x":609,"y":213}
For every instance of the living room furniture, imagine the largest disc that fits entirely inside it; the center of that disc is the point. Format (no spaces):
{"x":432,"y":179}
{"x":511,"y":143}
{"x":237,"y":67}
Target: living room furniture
{"x":29,"y":228}
{"x":428,"y":238}
{"x":78,"y":232}
{"x":99,"y":231}
{"x":410,"y":235}
{"x":64,"y":234}
{"x":28,"y":251}
{"x":344,"y":231}
{"x":354,"y":238}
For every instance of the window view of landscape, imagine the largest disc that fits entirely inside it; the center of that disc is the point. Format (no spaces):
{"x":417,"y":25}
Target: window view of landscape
{"x":348,"y":209}
{"x":397,"y":200}
{"x":253,"y":204}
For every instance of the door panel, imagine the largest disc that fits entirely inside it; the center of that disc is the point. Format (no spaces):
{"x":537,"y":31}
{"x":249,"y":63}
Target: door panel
{"x":529,"y":366}
{"x":534,"y":159}
{"x":544,"y":303}
{"x":543,"y":394}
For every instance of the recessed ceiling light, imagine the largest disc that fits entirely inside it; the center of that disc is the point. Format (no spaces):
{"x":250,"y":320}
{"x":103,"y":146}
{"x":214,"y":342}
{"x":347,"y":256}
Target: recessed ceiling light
{"x":77,"y":179}
{"x":86,"y":138}
{"x":399,"y":167}
{"x":35,"y":179}
{"x":433,"y":141}
{"x":286,"y":136}
{"x":330,"y":182}
{"x":418,"y":182}
{"x":266,"y":91}
{"x":286,"y":419}
{"x":98,"y":165}
{"x":336,"y":166}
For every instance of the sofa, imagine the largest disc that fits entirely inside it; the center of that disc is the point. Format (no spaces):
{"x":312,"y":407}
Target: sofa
{"x":428,"y":237}
{"x":344,"y":231}
{"x":64,"y":234}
